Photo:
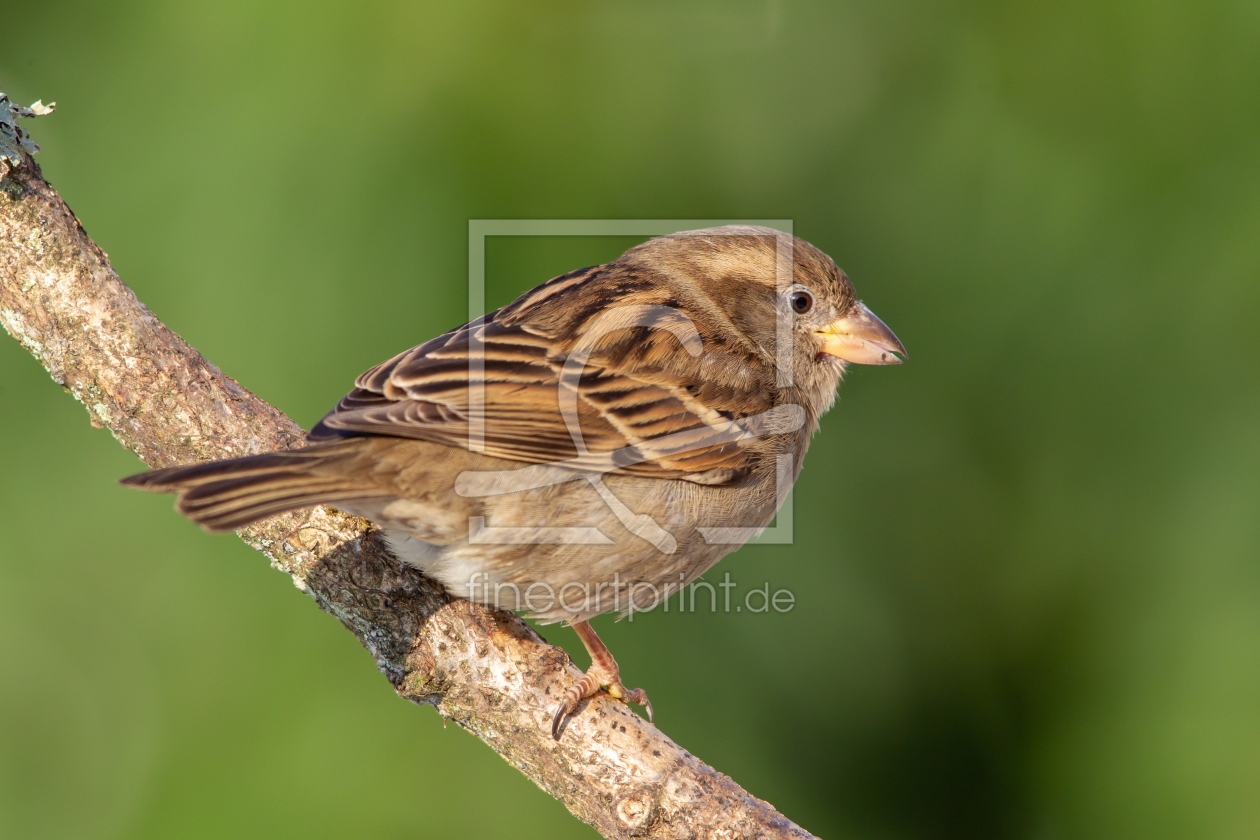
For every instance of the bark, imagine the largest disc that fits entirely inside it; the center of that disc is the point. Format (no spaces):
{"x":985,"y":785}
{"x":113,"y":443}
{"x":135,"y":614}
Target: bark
{"x":486,"y":670}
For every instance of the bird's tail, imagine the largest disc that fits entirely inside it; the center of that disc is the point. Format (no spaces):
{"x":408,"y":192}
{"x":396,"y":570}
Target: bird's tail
{"x":226,"y":495}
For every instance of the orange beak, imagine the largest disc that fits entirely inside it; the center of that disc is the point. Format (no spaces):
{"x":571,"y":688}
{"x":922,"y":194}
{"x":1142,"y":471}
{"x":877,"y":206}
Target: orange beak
{"x":860,"y":337}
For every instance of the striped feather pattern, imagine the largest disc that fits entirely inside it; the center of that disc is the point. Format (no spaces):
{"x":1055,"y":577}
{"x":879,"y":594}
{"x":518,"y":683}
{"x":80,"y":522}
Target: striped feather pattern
{"x":226,"y":495}
{"x":638,"y":385}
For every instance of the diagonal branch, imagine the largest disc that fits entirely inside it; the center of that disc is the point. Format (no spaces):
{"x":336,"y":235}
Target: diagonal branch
{"x":484,"y":669}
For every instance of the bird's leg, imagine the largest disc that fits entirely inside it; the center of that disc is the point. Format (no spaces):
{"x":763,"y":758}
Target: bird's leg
{"x":603,"y":673}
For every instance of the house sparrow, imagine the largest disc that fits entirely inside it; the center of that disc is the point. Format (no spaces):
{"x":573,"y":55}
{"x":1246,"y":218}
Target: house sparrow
{"x":595,"y":445}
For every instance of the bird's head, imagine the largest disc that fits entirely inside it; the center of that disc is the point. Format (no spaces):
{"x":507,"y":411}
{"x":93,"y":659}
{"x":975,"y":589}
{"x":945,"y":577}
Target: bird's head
{"x":783,"y":298}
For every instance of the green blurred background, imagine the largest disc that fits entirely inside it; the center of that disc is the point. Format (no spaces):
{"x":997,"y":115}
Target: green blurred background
{"x":1028,"y":595}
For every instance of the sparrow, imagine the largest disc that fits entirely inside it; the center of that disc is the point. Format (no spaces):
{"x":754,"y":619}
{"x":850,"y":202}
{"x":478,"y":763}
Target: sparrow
{"x":593,"y":446}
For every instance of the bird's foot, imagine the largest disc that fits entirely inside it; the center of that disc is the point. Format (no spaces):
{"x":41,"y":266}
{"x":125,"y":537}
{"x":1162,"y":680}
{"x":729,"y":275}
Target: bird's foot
{"x":590,"y":684}
{"x":604,"y":674}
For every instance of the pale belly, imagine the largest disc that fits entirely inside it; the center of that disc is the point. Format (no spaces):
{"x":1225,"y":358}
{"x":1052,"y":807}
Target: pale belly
{"x":571,"y":550}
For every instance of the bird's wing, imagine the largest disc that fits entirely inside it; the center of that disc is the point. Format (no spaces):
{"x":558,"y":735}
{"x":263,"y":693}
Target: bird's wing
{"x":622,"y":391}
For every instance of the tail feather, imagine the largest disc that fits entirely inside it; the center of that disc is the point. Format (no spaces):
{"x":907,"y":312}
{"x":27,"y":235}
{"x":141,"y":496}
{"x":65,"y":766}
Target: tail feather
{"x":230,"y":494}
{"x":230,"y":509}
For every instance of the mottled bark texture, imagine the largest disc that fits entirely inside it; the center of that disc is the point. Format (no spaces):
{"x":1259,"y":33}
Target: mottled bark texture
{"x":484,"y":669}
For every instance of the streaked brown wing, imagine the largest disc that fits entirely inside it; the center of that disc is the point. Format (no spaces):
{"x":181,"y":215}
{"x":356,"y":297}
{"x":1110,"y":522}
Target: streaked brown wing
{"x":612,"y":411}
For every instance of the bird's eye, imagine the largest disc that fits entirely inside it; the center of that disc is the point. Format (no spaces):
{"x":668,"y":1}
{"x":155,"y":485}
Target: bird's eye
{"x":801,"y":301}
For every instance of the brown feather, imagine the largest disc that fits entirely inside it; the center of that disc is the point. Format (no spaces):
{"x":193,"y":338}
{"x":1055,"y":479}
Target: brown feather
{"x":229,"y":494}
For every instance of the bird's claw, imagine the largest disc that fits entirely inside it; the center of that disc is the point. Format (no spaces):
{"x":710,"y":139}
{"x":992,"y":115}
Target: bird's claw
{"x":561,"y":714}
{"x":634,"y":695}
{"x":589,"y":686}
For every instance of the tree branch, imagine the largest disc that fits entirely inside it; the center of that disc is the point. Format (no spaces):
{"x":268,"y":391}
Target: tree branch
{"x":484,"y":669}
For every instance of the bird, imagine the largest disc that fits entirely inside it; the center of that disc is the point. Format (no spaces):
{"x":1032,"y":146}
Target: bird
{"x":595,"y":445}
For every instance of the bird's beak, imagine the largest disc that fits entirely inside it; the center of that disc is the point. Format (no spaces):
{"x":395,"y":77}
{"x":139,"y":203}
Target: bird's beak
{"x":860,"y":337}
